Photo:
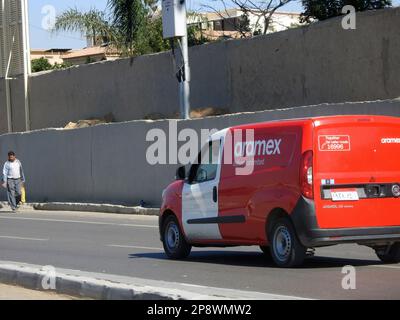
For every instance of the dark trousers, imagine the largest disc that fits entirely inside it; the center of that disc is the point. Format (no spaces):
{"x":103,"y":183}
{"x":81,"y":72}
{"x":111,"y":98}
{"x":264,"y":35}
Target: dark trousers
{"x":13,"y":192}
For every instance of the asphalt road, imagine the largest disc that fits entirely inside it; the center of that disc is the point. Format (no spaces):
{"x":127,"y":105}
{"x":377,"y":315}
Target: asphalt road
{"x":130,"y":246}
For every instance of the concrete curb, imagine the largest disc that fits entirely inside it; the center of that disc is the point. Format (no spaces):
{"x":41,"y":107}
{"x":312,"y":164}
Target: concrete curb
{"x":111,"y":287}
{"x":90,"y":207}
{"x":84,"y":287}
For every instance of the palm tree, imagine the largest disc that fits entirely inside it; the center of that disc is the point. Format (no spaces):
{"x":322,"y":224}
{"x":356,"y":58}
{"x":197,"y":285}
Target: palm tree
{"x":93,"y":24}
{"x":131,"y":26}
{"x":129,"y":17}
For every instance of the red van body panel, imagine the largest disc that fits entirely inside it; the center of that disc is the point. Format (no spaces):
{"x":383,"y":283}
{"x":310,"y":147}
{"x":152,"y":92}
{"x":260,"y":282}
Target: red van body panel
{"x":360,"y":157}
{"x":172,"y":202}
{"x":352,"y":156}
{"x":275,"y":184}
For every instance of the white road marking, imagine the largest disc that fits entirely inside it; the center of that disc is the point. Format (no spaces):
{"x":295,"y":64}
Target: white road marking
{"x":82,"y":222}
{"x":134,"y":247}
{"x":386,"y":266}
{"x":21,"y":238}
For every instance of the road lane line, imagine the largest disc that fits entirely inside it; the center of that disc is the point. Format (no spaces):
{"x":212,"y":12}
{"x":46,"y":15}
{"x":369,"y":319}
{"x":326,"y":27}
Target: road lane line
{"x":385,"y":266}
{"x":134,"y":247}
{"x":82,"y":222}
{"x":22,"y":238}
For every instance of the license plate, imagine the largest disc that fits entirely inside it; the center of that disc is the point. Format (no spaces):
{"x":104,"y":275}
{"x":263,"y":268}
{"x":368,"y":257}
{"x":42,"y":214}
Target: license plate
{"x":345,"y":195}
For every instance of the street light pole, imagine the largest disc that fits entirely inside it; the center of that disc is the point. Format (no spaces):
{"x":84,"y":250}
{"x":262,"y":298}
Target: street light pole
{"x":175,"y":28}
{"x":6,"y":54}
{"x":27,"y":61}
{"x":185,"y":84}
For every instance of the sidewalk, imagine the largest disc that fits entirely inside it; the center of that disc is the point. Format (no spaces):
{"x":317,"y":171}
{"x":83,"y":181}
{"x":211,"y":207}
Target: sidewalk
{"x":85,"y":207}
{"x":18,"y":293}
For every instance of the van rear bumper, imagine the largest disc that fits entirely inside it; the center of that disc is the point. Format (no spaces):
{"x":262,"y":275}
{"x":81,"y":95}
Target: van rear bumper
{"x":310,"y":235}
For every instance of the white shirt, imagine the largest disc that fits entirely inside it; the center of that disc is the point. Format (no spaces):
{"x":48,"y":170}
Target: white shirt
{"x":12,"y":170}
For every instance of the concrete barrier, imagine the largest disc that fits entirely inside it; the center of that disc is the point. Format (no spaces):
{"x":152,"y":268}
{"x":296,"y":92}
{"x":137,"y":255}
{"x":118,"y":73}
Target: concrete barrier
{"x":112,"y":287}
{"x":92,"y":207}
{"x":107,"y":163}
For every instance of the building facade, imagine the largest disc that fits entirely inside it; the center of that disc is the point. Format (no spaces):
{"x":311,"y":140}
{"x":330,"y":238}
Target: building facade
{"x":75,"y":57}
{"x":231,"y":23}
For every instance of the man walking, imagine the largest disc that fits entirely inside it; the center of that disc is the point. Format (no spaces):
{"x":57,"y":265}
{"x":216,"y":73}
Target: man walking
{"x":13,"y":179}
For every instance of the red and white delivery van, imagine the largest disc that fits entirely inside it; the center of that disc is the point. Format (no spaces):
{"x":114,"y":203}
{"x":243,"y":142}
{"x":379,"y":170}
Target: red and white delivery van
{"x":315,"y":182}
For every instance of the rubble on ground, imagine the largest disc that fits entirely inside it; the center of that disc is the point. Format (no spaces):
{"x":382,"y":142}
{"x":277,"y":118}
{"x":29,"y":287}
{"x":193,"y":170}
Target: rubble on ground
{"x":109,"y":118}
{"x":197,"y":113}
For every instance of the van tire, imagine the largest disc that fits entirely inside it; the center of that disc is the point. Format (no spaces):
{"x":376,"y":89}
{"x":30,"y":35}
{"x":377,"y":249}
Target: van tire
{"x":286,"y":249}
{"x":174,"y":242}
{"x":391,"y":255}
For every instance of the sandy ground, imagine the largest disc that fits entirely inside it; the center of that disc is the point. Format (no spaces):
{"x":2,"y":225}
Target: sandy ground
{"x":17,"y":293}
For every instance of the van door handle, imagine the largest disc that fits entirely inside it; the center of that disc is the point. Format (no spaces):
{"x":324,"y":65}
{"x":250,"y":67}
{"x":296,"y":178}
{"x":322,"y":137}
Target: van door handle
{"x":215,"y":194}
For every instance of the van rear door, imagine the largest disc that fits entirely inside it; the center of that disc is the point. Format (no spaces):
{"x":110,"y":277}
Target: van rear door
{"x":357,"y":172}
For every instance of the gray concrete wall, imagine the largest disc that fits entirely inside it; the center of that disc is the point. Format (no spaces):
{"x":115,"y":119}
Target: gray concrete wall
{"x":17,"y":99}
{"x":3,"y":108}
{"x":107,"y":163}
{"x":321,"y":63}
{"x":316,"y":64}
{"x":17,"y":103}
{"x":128,"y":89}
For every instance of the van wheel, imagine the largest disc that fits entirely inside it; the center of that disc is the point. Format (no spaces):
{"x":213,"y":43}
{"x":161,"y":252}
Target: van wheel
{"x":286,"y":249}
{"x":174,"y":242}
{"x":389,"y":254}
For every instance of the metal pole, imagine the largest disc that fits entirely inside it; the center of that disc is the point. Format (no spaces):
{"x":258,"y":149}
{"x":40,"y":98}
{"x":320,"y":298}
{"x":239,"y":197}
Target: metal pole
{"x":6,"y":80}
{"x":8,"y":104}
{"x":27,"y":62}
{"x":185,"y":84}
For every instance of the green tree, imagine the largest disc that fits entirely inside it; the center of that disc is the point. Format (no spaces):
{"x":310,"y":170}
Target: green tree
{"x":195,"y":30}
{"x":150,"y":37}
{"x":244,"y":24}
{"x":60,"y":66}
{"x":325,"y":9}
{"x":128,"y":18}
{"x":41,"y":64}
{"x":134,"y":27}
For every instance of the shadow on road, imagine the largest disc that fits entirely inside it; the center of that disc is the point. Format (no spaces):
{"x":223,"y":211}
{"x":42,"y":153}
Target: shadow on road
{"x":255,"y":259}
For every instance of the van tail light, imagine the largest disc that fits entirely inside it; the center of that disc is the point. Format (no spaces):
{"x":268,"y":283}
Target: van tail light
{"x":306,"y":175}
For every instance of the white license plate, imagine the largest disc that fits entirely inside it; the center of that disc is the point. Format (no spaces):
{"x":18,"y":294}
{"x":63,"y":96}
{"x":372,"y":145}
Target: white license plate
{"x":345,"y":196}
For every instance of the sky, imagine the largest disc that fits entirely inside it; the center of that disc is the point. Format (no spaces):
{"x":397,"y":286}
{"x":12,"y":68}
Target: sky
{"x":42,"y":13}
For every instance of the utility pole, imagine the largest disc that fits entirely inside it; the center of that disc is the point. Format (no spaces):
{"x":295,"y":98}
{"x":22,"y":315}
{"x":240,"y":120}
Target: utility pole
{"x":15,"y":52}
{"x":27,"y":61}
{"x":185,"y":83}
{"x":7,"y":56}
{"x":175,"y":27}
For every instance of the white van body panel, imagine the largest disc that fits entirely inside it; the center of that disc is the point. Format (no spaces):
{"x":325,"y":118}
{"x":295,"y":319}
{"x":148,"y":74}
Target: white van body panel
{"x":197,"y":203}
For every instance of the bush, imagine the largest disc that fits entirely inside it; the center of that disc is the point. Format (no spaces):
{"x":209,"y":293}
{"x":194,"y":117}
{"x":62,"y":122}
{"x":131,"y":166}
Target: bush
{"x":42,"y":64}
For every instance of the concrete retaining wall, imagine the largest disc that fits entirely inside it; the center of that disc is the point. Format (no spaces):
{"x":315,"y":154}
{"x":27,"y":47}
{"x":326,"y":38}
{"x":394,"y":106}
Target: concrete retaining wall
{"x":107,"y":163}
{"x":17,"y":103}
{"x":318,"y":64}
{"x":3,"y":109}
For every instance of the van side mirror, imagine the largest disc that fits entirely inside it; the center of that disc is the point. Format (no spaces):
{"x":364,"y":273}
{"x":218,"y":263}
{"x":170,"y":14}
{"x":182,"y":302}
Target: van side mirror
{"x":181,"y":173}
